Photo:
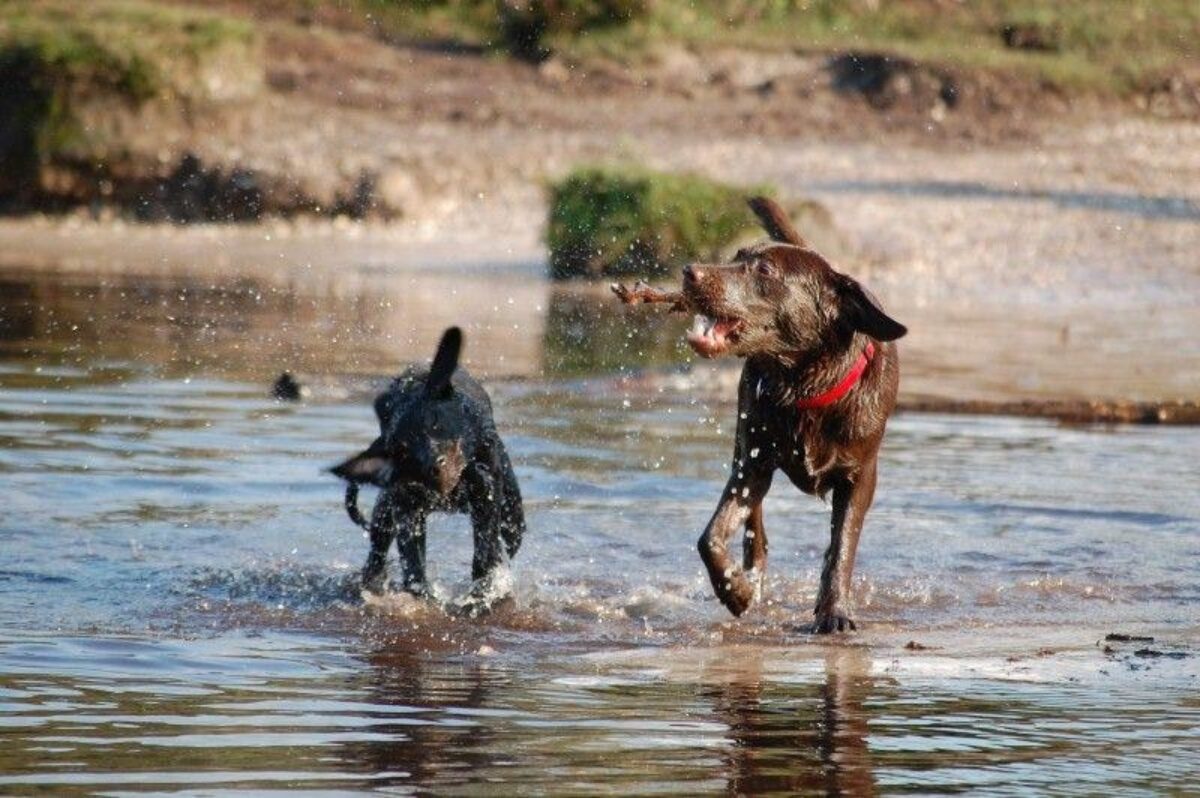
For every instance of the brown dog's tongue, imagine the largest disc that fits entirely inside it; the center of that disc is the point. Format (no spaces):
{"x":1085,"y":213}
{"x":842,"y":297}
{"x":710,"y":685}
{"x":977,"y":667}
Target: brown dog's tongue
{"x":707,"y":337}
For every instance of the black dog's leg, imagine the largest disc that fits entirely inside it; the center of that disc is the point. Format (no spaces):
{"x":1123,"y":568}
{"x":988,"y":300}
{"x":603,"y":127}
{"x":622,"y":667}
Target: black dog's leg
{"x":410,"y":545}
{"x":382,"y":531}
{"x":407,"y":527}
{"x":851,"y":500}
{"x":512,"y":513}
{"x":485,"y":522}
{"x":483,"y":492}
{"x":741,"y":496}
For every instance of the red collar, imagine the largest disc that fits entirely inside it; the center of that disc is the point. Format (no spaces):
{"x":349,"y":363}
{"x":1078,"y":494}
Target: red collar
{"x":842,"y":388}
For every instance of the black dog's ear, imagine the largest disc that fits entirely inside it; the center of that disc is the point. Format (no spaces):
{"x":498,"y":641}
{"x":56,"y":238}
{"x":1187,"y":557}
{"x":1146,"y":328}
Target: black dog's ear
{"x":370,"y":465}
{"x":865,"y":313}
{"x":445,"y":361}
{"x":775,"y":221}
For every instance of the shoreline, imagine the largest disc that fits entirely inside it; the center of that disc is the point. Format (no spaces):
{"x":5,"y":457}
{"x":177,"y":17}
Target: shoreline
{"x":992,"y":350}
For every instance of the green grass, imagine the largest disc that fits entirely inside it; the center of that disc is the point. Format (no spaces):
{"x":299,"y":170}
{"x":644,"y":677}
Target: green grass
{"x":137,"y":48}
{"x":632,"y":221}
{"x":1105,"y":46}
{"x":1108,"y":47}
{"x":60,"y":56}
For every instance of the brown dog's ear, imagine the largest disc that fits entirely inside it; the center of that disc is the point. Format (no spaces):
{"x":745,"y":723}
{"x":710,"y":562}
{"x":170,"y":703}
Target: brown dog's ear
{"x":445,"y":361}
{"x":369,"y":465}
{"x":865,"y":313}
{"x":775,"y":221}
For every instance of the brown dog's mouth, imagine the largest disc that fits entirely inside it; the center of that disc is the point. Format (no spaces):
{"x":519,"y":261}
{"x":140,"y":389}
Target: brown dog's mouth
{"x":712,"y":337}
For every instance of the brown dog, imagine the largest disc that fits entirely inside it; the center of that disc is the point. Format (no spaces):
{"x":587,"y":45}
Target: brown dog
{"x":816,"y":391}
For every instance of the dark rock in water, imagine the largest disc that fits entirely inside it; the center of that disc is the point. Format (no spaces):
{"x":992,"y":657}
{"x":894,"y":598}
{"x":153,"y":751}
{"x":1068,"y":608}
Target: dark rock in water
{"x":1116,"y":637}
{"x":286,"y":389}
{"x":1154,"y":653}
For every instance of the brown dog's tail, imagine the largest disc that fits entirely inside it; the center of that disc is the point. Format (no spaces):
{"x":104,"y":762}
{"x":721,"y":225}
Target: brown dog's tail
{"x":352,"y":506}
{"x":775,"y":221}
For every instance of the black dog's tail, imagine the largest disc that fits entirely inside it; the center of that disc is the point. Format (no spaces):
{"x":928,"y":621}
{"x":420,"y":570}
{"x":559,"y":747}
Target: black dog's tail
{"x":352,"y":506}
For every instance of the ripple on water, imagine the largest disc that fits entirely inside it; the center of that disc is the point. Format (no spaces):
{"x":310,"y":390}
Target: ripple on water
{"x":179,"y":606}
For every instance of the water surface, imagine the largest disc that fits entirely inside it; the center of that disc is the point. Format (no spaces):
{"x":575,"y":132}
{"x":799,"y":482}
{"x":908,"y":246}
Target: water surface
{"x":179,"y":611}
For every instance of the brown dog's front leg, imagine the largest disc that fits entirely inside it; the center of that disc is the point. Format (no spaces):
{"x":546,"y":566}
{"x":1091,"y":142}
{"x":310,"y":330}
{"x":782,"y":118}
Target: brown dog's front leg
{"x":737,"y":505}
{"x":754,"y":546}
{"x":851,"y":500}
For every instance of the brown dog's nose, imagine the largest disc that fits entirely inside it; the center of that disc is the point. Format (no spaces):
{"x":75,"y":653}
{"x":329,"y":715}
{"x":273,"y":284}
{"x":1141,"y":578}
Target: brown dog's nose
{"x":692,"y":274}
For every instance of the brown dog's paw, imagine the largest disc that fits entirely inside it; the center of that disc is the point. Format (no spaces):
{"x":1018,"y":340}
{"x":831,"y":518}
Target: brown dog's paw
{"x":738,"y":595}
{"x":828,"y":623}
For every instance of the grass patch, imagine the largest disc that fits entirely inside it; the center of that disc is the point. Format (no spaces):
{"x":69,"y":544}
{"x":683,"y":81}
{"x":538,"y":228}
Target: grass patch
{"x":135,"y":48}
{"x":60,"y":57}
{"x":1107,"y":46}
{"x":632,"y":221}
{"x":1103,"y":46}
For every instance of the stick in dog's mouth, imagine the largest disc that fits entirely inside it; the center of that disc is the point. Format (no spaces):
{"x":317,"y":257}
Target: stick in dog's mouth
{"x":643,"y":294}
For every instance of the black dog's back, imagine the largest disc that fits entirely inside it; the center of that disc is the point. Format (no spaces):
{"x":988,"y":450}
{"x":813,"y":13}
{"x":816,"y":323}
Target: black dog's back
{"x":410,"y":387}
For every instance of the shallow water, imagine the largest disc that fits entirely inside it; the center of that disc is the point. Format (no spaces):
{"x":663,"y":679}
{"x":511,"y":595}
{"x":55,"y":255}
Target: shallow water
{"x":179,"y":613}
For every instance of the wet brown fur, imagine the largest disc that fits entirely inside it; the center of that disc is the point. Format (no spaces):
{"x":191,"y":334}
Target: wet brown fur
{"x":801,"y":326}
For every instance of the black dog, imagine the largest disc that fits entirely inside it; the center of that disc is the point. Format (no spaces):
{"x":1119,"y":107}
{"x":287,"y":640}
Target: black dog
{"x":819,"y":383}
{"x":438,"y":450}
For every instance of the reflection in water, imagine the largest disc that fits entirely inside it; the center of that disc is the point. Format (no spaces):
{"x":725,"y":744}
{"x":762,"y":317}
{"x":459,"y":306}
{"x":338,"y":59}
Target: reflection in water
{"x":586,"y":332}
{"x":452,"y":749}
{"x":817,"y":744}
{"x":314,"y":323}
{"x":261,"y":711}
{"x":325,"y":324}
{"x":251,"y":328}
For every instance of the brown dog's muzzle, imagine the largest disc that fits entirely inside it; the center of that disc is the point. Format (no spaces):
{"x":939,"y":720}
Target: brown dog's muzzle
{"x":712,"y":334}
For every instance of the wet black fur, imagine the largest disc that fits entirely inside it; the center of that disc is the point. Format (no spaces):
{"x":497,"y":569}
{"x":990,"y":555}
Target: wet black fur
{"x":438,"y":451}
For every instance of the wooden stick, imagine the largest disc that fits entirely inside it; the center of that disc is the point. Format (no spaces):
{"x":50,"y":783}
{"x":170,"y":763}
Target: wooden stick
{"x":642,"y":294}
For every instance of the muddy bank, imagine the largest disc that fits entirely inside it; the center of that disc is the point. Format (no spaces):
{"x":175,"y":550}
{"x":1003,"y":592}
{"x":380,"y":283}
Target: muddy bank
{"x":315,"y":119}
{"x":719,"y":385}
{"x":1070,"y":412}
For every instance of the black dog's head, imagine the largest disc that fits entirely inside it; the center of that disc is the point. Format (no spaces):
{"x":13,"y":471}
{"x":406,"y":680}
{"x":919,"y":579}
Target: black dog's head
{"x":778,"y":299}
{"x":427,"y":435}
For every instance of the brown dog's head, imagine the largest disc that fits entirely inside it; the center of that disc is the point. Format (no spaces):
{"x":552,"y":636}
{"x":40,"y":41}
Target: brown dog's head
{"x":778,"y":299}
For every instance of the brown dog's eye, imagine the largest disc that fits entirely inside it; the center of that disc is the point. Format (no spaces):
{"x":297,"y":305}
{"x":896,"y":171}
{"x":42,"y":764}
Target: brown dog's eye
{"x":765,"y":269}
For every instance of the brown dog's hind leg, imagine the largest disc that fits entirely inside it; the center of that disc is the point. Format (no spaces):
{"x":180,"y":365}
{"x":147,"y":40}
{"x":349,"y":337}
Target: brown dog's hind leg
{"x":851,"y":500}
